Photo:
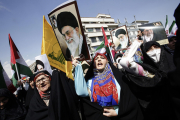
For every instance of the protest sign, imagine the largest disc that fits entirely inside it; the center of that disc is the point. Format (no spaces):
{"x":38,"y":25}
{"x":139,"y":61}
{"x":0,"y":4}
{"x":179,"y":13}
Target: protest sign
{"x":120,"y":37}
{"x":66,"y":23}
{"x":153,"y":32}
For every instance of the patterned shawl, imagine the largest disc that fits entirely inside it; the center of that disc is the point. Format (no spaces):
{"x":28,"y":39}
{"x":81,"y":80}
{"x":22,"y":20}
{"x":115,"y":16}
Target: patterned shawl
{"x":103,"y":88}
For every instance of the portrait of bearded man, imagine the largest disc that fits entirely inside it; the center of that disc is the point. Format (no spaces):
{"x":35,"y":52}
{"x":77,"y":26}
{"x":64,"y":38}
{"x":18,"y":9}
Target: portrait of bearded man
{"x":67,"y":25}
{"x":122,"y":37}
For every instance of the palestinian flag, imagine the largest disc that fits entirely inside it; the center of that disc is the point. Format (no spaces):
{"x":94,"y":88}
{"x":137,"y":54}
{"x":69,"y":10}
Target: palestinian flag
{"x":173,"y":28}
{"x":167,"y":26}
{"x":18,"y":65}
{"x":107,"y":45}
{"x":101,"y":48}
{"x":5,"y":82}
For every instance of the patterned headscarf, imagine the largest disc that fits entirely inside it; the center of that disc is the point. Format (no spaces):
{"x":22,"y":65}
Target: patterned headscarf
{"x":103,"y":88}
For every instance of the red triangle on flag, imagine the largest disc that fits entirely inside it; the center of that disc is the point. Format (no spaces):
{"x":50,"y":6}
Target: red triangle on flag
{"x":13,"y":50}
{"x":105,"y":38}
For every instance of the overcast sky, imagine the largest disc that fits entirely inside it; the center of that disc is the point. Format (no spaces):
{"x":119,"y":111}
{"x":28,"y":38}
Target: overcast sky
{"x":23,"y":19}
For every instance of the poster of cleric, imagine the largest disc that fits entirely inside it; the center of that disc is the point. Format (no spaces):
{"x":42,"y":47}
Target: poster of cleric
{"x":120,"y":37}
{"x":66,"y":23}
{"x":153,"y":32}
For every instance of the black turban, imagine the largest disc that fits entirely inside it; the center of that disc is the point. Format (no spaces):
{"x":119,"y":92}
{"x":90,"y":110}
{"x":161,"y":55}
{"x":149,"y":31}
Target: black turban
{"x":120,"y":31}
{"x":66,"y":19}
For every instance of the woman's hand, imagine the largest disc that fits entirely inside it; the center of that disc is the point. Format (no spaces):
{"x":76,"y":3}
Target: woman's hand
{"x":74,"y":61}
{"x":109,"y":112}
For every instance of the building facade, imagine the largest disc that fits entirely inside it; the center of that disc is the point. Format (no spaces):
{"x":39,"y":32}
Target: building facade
{"x":92,"y":29}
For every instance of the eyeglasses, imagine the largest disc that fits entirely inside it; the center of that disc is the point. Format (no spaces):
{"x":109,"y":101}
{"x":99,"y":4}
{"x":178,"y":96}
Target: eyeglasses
{"x":113,"y":46}
{"x":42,"y":79}
{"x":67,"y":33}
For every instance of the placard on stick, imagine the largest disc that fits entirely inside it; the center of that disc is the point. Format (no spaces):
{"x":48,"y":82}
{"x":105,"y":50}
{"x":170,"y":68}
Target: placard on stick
{"x":153,"y":32}
{"x":120,"y":37}
{"x":67,"y":26}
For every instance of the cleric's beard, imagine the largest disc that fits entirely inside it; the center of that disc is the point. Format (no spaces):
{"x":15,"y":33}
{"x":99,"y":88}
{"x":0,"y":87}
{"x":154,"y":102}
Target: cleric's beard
{"x":148,"y":38}
{"x":124,"y":42}
{"x":74,"y":44}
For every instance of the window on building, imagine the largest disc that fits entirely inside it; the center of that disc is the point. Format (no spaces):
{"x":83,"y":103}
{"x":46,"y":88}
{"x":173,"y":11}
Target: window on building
{"x":105,"y":29}
{"x":85,"y":22}
{"x":93,"y":39}
{"x":100,"y":38}
{"x":93,"y":22}
{"x":89,"y":29}
{"x":98,"y":29}
{"x":95,"y":47}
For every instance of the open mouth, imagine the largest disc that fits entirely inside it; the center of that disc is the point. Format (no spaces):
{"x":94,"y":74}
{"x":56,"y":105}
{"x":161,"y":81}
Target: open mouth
{"x":43,"y":86}
{"x":99,"y":64}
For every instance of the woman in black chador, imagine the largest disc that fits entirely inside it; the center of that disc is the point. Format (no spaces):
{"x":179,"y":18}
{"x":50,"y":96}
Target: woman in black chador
{"x":147,"y":78}
{"x":10,"y":107}
{"x":103,"y":93}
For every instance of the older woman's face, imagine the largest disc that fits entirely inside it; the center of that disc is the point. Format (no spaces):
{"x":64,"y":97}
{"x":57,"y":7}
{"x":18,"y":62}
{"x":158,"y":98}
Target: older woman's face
{"x":100,"y":62}
{"x":43,"y":83}
{"x":3,"y":102}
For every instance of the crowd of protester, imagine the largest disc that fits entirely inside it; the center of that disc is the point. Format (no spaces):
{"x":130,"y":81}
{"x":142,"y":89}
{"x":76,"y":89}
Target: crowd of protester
{"x":141,"y":84}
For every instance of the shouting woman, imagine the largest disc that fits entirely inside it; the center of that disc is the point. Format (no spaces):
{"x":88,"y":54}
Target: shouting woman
{"x":104,"y":95}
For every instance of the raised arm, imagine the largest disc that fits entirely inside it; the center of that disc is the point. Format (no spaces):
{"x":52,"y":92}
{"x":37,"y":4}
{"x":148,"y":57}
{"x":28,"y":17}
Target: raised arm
{"x":127,"y":61}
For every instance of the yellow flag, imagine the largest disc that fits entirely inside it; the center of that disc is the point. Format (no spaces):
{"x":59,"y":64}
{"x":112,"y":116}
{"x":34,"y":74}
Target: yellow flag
{"x":51,"y":48}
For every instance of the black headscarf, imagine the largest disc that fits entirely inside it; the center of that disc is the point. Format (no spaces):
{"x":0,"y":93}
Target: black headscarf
{"x":30,"y":93}
{"x":117,"y":55}
{"x":13,"y":110}
{"x":162,"y":65}
{"x":152,"y":93}
{"x":128,"y":107}
{"x":62,"y":104}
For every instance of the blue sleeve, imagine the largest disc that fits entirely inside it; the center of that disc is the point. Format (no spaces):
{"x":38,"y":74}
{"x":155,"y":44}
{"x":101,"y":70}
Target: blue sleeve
{"x":116,"y":108}
{"x":80,"y":83}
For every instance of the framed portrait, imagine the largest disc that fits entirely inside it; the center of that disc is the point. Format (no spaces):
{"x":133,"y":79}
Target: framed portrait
{"x":120,"y":37}
{"x":67,"y":26}
{"x":153,"y":32}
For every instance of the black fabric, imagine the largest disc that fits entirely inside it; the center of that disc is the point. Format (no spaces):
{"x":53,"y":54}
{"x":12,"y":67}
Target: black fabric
{"x":117,"y":55}
{"x":175,"y":75}
{"x":66,"y":19}
{"x":21,"y":94}
{"x":37,"y":108}
{"x":62,"y":104}
{"x":170,"y":60}
{"x":64,"y":101}
{"x":29,"y":95}
{"x":149,"y":44}
{"x":13,"y":110}
{"x":153,"y":93}
{"x":128,"y":108}
{"x":162,"y":65}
